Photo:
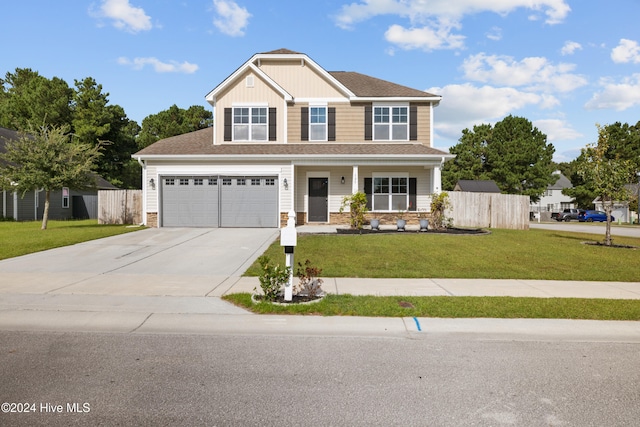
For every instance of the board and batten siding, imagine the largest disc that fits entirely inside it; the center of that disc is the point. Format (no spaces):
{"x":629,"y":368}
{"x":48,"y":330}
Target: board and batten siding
{"x":299,"y":80}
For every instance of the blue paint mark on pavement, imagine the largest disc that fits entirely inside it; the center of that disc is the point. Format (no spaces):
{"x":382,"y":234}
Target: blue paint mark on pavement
{"x":415,"y":319}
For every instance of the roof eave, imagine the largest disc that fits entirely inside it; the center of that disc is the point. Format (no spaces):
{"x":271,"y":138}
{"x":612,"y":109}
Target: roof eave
{"x":433,"y":99}
{"x":289,"y":157}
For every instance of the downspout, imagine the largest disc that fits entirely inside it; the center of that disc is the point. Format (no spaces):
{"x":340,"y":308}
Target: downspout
{"x":144,"y":190}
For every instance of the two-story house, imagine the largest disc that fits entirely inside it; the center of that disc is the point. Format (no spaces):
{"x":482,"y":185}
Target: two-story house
{"x":291,"y":136}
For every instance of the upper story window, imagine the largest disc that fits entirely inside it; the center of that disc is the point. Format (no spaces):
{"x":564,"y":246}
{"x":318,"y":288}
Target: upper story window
{"x":250,"y":124}
{"x":317,"y":123}
{"x":390,"y":123}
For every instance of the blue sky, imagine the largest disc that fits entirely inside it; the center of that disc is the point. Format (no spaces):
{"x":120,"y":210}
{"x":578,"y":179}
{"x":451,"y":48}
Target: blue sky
{"x":563,"y":64}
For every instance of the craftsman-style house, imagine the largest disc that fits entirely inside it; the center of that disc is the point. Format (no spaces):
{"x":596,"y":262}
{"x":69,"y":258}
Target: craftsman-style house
{"x":291,"y":136}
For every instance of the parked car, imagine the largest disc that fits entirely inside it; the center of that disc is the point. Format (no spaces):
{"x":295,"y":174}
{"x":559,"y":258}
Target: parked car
{"x":590,"y":216}
{"x":567,"y":215}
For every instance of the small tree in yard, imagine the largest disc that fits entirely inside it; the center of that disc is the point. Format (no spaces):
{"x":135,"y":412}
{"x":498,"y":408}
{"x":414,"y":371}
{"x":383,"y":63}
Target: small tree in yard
{"x":607,"y":175}
{"x":357,"y":203}
{"x":45,"y":158}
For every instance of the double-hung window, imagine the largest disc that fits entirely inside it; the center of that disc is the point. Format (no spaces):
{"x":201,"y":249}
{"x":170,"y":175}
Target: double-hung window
{"x":390,"y":193}
{"x":390,"y":123}
{"x":250,"y":124}
{"x":317,"y":123}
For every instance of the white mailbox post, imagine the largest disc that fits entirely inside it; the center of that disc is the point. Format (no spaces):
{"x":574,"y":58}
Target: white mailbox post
{"x":289,"y":239}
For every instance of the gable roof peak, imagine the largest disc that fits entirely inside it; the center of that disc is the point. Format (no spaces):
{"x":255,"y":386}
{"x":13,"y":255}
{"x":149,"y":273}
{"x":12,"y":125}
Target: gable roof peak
{"x":282,"y":51}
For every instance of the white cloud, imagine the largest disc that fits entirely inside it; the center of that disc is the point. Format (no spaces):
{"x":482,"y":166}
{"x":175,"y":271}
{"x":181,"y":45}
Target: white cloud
{"x":626,"y":51}
{"x":616,"y":96}
{"x":159,"y":66}
{"x":124,"y":15}
{"x":432,"y":22}
{"x":557,"y":130}
{"x":533,"y":73}
{"x":466,"y":105}
{"x":423,"y":38}
{"x":495,"y":34}
{"x":232,"y":19}
{"x":570,"y":47}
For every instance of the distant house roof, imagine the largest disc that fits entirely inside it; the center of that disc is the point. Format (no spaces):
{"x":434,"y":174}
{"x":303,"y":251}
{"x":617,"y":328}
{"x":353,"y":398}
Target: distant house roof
{"x":477,"y":186}
{"x":562,"y":182}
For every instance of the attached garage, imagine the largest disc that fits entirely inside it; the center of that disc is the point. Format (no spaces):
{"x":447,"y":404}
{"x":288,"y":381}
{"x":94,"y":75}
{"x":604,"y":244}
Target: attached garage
{"x":219,"y":201}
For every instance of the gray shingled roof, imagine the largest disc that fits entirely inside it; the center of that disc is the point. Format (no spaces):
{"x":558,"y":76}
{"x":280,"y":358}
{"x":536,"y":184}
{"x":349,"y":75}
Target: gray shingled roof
{"x":478,"y":186}
{"x":200,"y":142}
{"x":562,"y":182}
{"x":366,"y":86}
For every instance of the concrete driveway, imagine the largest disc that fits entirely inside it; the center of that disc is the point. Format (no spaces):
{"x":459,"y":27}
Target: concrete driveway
{"x":151,"y":262}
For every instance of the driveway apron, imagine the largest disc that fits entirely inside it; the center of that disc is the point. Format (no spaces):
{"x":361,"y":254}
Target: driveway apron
{"x":186,"y":262}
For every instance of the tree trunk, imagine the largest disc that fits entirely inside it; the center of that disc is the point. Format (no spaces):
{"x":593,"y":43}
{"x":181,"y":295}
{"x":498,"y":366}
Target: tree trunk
{"x":607,"y":234}
{"x":45,"y":215}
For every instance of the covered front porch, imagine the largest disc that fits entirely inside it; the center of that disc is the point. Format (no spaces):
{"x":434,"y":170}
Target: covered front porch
{"x":392,"y":189}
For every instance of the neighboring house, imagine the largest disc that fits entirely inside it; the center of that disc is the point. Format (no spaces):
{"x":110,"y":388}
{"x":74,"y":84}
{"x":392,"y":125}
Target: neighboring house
{"x":621,"y":211}
{"x":291,"y":136}
{"x":64,"y":204}
{"x":553,"y":200}
{"x":477,"y":186}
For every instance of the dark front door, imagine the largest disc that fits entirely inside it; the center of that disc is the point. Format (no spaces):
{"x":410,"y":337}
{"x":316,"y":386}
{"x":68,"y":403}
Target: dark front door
{"x":318,"y":199}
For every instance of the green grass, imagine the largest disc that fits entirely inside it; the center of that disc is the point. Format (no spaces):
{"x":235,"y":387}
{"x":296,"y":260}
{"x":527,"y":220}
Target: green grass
{"x":453,"y":307}
{"x":21,"y":238}
{"x":503,"y":254}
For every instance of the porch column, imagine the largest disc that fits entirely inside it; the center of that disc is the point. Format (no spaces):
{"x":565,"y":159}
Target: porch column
{"x":354,"y":180}
{"x":436,"y":178}
{"x":15,"y":206}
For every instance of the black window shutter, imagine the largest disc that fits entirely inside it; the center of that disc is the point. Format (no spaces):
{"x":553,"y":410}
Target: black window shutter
{"x":331,"y":119}
{"x":272,"y":124}
{"x":368,"y":191}
{"x":413,"y":123}
{"x":368,"y":123}
{"x":413,"y":183}
{"x":227,"y":124}
{"x":304,"y":123}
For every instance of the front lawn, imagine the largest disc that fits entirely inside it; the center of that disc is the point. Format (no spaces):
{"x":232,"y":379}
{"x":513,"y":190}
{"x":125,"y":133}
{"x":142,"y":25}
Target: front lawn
{"x":503,"y":254}
{"x":452,"y":307}
{"x":21,"y":238}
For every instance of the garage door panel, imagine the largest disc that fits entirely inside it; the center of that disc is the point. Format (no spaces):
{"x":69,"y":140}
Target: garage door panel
{"x":249,"y":202}
{"x":189,"y":202}
{"x":225,"y":201}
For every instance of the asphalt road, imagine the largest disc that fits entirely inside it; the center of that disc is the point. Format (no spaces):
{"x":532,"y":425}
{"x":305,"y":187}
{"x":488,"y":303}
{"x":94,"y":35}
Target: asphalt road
{"x":593,"y":228}
{"x":442,"y":380}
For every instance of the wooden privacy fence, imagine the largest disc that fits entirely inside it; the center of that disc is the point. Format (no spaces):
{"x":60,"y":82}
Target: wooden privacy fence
{"x":120,"y":207}
{"x":489,"y":210}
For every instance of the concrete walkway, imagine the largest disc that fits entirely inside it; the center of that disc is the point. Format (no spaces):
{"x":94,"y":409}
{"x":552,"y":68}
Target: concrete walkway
{"x":171,"y":280}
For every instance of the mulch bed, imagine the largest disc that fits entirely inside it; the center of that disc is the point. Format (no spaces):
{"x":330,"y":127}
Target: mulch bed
{"x":613,"y":245}
{"x":296,"y":299}
{"x":430,"y":231}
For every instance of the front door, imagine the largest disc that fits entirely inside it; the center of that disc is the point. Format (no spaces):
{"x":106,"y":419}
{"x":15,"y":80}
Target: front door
{"x":318,"y":199}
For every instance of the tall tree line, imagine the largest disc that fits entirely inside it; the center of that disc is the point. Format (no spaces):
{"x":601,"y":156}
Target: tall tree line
{"x":28,"y":100}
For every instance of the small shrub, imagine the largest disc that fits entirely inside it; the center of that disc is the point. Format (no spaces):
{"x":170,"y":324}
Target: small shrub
{"x":309,"y":282}
{"x":357,"y":203}
{"x":439,"y":205}
{"x":272,"y":278}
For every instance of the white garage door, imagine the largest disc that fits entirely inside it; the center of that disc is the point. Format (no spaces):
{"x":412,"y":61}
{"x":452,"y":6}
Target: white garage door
{"x":219,"y":201}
